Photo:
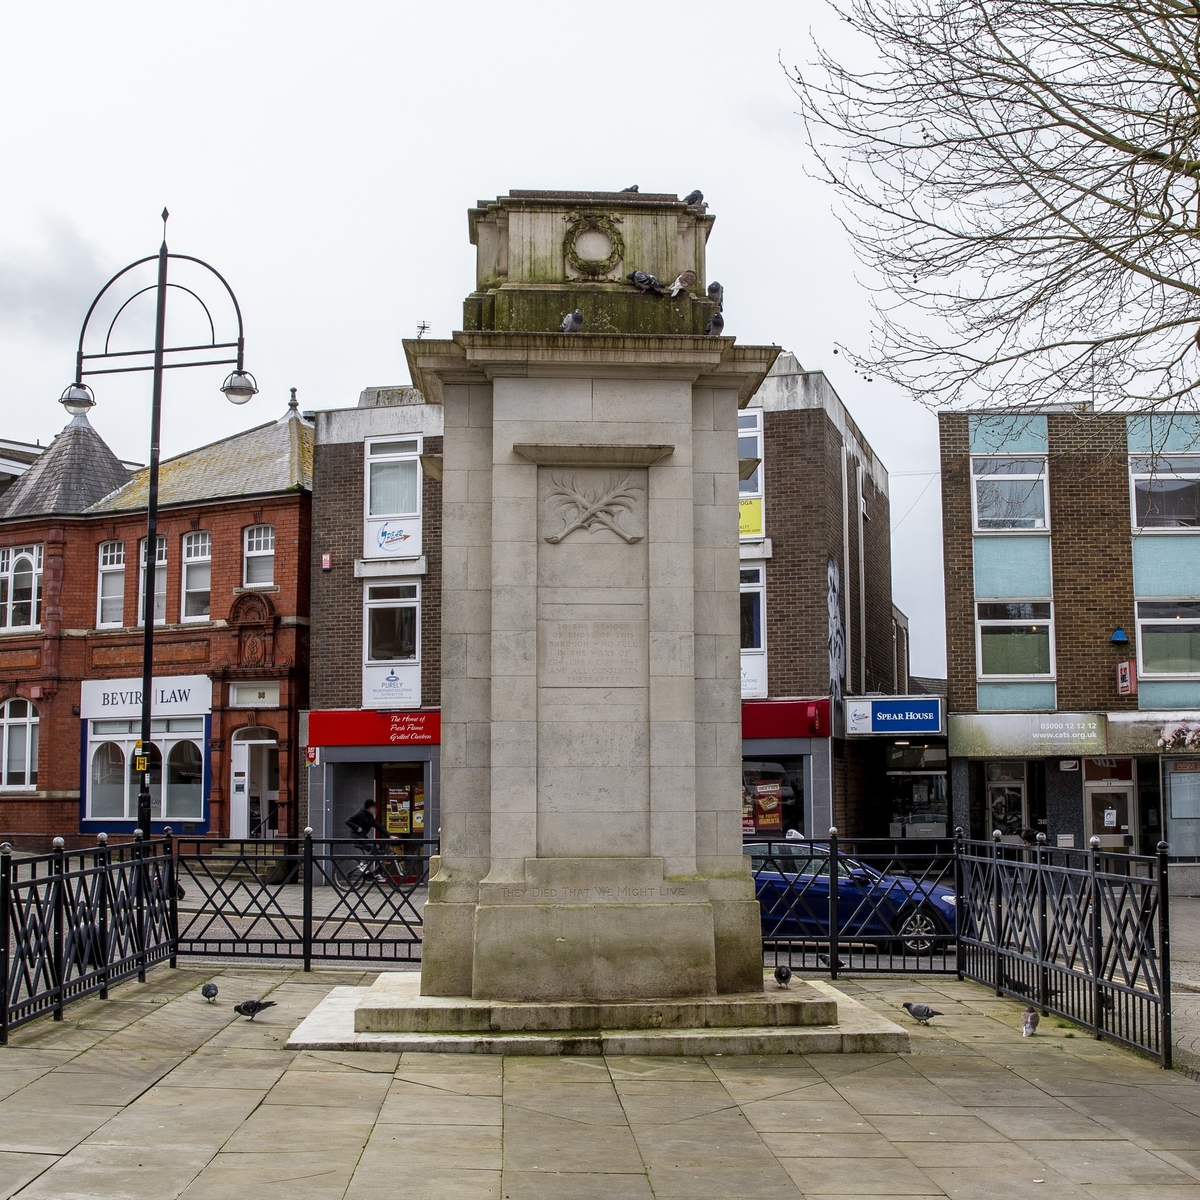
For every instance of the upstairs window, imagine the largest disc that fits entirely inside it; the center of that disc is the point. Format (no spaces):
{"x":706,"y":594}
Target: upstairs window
{"x":1169,"y":637}
{"x":393,"y":478}
{"x":197,"y":576}
{"x":21,"y":587}
{"x":1166,"y":491}
{"x":1009,"y":494}
{"x":110,"y":603}
{"x":160,"y":581}
{"x":1015,"y":639}
{"x":750,"y":446}
{"x":752,"y":608}
{"x":259,"y":558}
{"x":18,"y":744}
{"x":391,"y":622}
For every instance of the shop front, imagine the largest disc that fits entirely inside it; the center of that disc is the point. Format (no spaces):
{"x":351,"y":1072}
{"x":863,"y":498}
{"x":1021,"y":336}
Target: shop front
{"x":392,"y":758}
{"x":786,"y":767}
{"x":179,"y":754}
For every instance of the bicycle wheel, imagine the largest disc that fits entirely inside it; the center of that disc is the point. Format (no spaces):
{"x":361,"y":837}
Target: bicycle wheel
{"x":348,"y":872}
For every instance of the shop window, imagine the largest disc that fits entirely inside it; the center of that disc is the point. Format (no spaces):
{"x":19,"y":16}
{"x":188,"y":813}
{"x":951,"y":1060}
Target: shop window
{"x":1181,"y":800}
{"x":1015,"y":639}
{"x":916,"y":775}
{"x":18,"y":744}
{"x":21,"y":587}
{"x":750,"y":488}
{"x":259,"y":570}
{"x":1168,"y":637}
{"x":197,"y":576}
{"x":1007,"y":808}
{"x":110,"y":603}
{"x":772,"y":797}
{"x":391,"y":622}
{"x":185,"y":779}
{"x":106,"y":794}
{"x":393,"y":476}
{"x":113,"y":785}
{"x":160,"y":581}
{"x":1166,"y":492}
{"x":1009,"y":494}
{"x":135,"y":785}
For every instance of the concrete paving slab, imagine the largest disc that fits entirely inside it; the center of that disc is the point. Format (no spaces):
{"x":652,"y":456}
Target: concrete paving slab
{"x":291,"y":1175}
{"x":16,"y":1170}
{"x":848,"y":1176}
{"x":564,"y":1185}
{"x":118,"y":1173}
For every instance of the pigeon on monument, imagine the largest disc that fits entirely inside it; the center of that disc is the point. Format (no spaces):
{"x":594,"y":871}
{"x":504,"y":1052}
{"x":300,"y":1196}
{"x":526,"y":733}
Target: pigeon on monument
{"x":683,"y":281}
{"x":1029,"y":1022}
{"x":715,"y":326}
{"x":921,"y":1013}
{"x":209,"y":992}
{"x":717,"y":293}
{"x":572,"y":322}
{"x":645,"y":282}
{"x":697,"y":197}
{"x":251,"y":1008}
{"x":632,"y":188}
{"x":783,"y":975}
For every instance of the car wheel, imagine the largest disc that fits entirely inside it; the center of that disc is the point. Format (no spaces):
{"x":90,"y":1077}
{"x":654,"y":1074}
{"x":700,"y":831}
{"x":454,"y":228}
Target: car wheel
{"x":919,"y":932}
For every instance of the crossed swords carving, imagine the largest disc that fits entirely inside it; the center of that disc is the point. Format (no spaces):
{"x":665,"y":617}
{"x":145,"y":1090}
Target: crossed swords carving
{"x":593,"y":509}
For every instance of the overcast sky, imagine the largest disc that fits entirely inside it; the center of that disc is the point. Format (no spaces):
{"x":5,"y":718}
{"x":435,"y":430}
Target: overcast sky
{"x":323,"y":157}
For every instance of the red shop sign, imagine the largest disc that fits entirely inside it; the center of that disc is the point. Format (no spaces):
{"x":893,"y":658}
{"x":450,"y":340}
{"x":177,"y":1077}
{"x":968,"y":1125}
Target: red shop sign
{"x":366,"y":727}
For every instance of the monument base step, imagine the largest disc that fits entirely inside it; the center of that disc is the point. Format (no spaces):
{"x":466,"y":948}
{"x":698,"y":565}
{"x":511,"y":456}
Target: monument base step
{"x":393,"y":1004}
{"x":330,"y":1026}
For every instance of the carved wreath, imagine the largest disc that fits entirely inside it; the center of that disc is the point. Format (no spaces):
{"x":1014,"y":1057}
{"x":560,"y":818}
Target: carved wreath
{"x":585,"y":508}
{"x":607,"y":226}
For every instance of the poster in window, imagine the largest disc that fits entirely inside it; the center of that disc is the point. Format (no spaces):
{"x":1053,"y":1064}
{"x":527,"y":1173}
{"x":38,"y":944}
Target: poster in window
{"x":750,"y":517}
{"x":768,"y":806}
{"x":399,"y":808}
{"x":418,"y":808}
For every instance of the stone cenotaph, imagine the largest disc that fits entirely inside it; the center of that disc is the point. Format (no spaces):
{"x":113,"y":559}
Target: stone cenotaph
{"x":591,"y":844}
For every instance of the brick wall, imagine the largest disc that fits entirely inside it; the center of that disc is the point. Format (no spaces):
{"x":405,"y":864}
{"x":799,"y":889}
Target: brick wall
{"x":958,"y":560}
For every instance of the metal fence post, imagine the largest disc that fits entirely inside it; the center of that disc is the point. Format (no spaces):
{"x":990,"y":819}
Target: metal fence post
{"x":997,"y":915}
{"x":60,"y":900}
{"x":306,"y":931}
{"x":1164,"y":955}
{"x":833,"y":903}
{"x":1097,"y":935}
{"x":104,"y":865}
{"x":139,"y":892}
{"x":172,"y":895}
{"x":5,"y":924}
{"x":959,"y":906}
{"x":1043,"y":973}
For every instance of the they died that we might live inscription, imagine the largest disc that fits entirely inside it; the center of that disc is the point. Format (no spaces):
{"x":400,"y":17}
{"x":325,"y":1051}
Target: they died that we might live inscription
{"x":592,"y":653}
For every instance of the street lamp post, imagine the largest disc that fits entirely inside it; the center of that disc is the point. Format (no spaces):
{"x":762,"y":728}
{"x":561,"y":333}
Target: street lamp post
{"x":238,"y":387}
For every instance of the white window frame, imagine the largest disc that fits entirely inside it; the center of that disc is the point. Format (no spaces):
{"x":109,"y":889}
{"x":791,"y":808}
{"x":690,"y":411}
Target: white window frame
{"x":255,"y":533}
{"x":758,"y":587}
{"x":166,"y":734}
{"x":980,"y":677}
{"x":413,"y":601}
{"x":755,"y":432}
{"x":31,"y":722}
{"x":197,"y":551}
{"x":160,"y":559}
{"x":9,"y":557}
{"x":382,"y":456}
{"x":1141,"y":621}
{"x":1153,"y":472}
{"x":110,"y":558}
{"x":1043,"y":475}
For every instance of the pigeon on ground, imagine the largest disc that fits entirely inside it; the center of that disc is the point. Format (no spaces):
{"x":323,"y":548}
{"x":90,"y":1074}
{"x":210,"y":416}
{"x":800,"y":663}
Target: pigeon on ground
{"x":717,"y":293}
{"x":209,"y":992}
{"x":694,"y":198}
{"x":645,"y":282}
{"x":633,"y":187}
{"x":823,"y":959}
{"x":1029,"y":1022}
{"x":783,"y":975}
{"x":572,"y":322}
{"x":251,"y":1008}
{"x":715,"y":326}
{"x":683,"y":281}
{"x":921,"y":1013}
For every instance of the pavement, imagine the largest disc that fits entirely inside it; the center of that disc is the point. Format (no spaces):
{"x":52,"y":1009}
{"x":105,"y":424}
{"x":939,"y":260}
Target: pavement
{"x":155,"y":1094}
{"x":1185,"y":980}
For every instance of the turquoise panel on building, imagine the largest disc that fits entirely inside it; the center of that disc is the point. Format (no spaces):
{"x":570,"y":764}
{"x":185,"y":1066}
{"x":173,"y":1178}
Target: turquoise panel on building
{"x":1177,"y":433}
{"x":1013,"y":433}
{"x":1015,"y":697}
{"x":1166,"y":565}
{"x":1012,"y":568}
{"x":1154,"y":695}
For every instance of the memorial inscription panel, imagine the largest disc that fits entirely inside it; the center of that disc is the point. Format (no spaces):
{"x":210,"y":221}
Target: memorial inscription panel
{"x":592,"y":653}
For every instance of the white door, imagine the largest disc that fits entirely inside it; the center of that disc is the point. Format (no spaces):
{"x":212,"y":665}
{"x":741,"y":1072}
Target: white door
{"x":239,"y":793}
{"x":1110,"y":811}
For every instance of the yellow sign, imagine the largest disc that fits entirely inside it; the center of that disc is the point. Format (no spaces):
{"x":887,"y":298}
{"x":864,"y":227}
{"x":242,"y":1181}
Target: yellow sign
{"x":750,"y":517}
{"x":141,"y":763}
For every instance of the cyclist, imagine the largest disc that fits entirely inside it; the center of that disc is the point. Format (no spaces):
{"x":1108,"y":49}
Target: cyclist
{"x":363,"y":824}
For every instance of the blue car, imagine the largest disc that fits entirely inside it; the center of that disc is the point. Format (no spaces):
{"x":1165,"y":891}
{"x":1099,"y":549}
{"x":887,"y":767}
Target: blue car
{"x":792,"y":885}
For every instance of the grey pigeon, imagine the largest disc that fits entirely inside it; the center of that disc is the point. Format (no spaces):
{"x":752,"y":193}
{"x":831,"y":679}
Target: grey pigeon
{"x":632,"y":188}
{"x":783,"y":975}
{"x":572,"y":322}
{"x":1029,"y":1022}
{"x":715,"y":326}
{"x":251,"y":1008}
{"x":209,"y":992}
{"x":694,"y":198}
{"x":921,"y":1013}
{"x":717,"y":293}
{"x":823,"y":959}
{"x":645,"y":282}
{"x":683,"y":281}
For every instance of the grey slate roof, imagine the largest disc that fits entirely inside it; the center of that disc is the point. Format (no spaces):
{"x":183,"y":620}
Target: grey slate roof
{"x":927,"y":685}
{"x":276,"y":457}
{"x":76,"y":470}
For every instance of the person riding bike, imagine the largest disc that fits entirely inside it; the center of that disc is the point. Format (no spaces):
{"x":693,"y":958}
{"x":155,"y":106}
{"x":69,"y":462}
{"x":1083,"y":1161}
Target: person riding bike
{"x":362,"y":824}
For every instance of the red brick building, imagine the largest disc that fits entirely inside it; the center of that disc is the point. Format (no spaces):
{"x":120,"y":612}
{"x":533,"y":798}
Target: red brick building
{"x":231,"y":648}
